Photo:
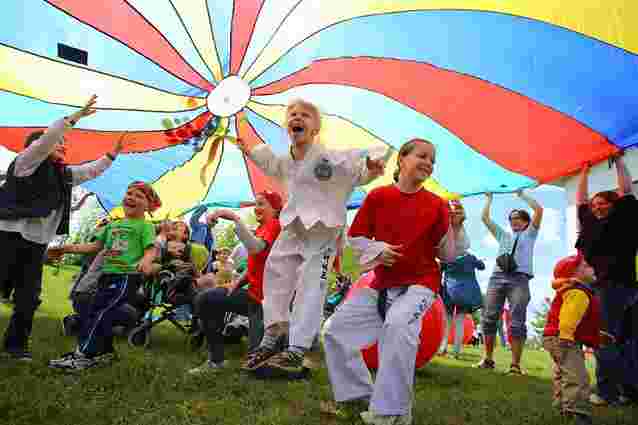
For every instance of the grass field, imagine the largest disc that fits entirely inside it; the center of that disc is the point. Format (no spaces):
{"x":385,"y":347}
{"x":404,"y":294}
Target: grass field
{"x":151,"y":387}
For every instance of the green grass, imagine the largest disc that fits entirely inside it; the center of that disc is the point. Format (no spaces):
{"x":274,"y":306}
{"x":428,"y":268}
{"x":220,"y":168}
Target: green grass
{"x":151,"y":387}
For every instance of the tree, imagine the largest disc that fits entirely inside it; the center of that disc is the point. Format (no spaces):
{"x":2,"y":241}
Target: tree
{"x":540,"y":319}
{"x":225,"y":237}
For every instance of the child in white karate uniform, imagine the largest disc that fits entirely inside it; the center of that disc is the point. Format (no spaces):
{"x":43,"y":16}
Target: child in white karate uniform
{"x":399,"y":230}
{"x":319,"y":183}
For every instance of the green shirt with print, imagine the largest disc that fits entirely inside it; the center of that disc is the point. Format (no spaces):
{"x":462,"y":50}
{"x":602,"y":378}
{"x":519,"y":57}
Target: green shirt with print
{"x":125,"y":242}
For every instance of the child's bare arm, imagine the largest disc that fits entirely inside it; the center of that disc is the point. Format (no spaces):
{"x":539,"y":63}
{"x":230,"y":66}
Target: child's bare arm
{"x":146,"y":264}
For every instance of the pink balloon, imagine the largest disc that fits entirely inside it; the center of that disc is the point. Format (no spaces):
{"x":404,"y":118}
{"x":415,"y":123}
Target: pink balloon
{"x":468,"y":331}
{"x":431,"y":330}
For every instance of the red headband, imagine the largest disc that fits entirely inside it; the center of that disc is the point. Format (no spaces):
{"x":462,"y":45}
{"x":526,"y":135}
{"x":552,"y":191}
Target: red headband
{"x":273,"y":198}
{"x":153,"y":199}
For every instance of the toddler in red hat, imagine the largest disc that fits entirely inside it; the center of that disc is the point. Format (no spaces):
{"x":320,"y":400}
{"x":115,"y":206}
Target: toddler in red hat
{"x":572,"y":321}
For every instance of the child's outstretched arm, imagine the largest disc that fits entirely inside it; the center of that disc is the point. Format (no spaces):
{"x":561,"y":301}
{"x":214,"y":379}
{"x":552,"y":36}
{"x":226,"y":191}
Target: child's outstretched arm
{"x":146,"y":264}
{"x":264,"y":158}
{"x":55,"y":253}
{"x":30,"y":159}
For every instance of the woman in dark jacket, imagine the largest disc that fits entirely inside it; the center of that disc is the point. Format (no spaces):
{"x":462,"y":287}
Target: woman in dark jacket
{"x":606,"y":221}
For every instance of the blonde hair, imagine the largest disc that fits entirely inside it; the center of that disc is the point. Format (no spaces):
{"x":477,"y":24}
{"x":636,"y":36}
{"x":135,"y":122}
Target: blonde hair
{"x":308,"y":105}
{"x":404,"y":151}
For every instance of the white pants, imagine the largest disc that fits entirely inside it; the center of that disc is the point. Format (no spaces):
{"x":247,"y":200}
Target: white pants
{"x":298,"y":265}
{"x":356,"y":325}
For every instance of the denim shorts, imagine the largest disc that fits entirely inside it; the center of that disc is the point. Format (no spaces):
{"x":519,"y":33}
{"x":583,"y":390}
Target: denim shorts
{"x":515,"y":289}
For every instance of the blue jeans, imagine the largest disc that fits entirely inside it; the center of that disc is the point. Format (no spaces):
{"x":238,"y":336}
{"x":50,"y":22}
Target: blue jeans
{"x":96,"y":333}
{"x":616,"y":364}
{"x":514,"y":288}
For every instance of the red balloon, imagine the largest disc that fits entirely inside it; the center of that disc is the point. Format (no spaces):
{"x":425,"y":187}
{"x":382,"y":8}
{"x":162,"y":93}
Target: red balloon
{"x":468,"y":331}
{"x":431,"y":330}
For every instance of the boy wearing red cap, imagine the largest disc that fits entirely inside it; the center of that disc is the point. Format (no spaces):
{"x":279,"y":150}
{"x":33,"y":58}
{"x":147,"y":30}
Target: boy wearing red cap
{"x":572,"y":321}
{"x":128,"y":246}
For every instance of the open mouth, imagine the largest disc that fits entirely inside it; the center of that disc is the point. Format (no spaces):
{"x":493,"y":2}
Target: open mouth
{"x":297,"y":129}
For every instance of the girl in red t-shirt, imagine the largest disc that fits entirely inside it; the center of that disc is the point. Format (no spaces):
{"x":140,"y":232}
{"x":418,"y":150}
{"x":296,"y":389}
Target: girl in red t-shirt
{"x":212,"y":305}
{"x":399,"y":231}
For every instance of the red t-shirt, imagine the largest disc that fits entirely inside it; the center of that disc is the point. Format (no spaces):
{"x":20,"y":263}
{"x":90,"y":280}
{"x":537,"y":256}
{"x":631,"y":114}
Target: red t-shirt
{"x":267,"y":232}
{"x":416,"y":221}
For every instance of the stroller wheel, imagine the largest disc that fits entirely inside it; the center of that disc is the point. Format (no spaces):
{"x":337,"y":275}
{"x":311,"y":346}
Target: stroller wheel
{"x":139,"y":337}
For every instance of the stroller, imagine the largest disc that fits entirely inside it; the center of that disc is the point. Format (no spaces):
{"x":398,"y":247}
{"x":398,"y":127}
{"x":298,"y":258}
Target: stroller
{"x":173,"y":288}
{"x":165,"y":296}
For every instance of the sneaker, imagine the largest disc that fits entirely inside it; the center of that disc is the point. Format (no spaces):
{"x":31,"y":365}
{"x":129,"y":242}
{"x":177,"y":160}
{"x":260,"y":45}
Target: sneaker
{"x":207,"y":367}
{"x":73,"y":361}
{"x":257,"y":358}
{"x":485,"y":364}
{"x":285,"y":363}
{"x":374,"y":419}
{"x":62,"y":359}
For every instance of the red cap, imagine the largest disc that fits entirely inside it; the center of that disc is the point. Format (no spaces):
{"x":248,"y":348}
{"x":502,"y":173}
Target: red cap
{"x":273,"y":198}
{"x":566,"y":267}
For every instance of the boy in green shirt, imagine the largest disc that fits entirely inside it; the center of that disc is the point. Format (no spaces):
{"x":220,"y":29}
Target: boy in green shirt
{"x":128,"y":250}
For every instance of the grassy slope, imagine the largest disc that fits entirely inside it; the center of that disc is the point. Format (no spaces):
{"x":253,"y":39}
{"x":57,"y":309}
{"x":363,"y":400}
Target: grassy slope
{"x":150,"y":387}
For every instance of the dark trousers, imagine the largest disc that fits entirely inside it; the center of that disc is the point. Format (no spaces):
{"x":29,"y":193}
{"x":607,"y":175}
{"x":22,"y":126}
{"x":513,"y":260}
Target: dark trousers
{"x":615,"y":363}
{"x":22,"y":263}
{"x":212,"y":305}
{"x":96,"y":332}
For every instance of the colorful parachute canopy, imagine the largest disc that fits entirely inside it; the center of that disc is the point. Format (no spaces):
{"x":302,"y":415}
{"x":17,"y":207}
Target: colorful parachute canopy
{"x":512,"y":93}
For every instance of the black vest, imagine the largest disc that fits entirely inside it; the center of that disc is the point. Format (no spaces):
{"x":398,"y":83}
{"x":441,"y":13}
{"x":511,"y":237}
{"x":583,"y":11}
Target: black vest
{"x":35,"y":196}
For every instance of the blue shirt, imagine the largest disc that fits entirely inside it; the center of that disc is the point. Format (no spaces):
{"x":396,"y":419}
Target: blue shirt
{"x":524,"y":254}
{"x":462,"y":271}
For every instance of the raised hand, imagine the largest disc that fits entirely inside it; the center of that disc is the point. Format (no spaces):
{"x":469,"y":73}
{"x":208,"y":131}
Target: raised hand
{"x":225,"y":214}
{"x":86,"y":110}
{"x":376,"y":167}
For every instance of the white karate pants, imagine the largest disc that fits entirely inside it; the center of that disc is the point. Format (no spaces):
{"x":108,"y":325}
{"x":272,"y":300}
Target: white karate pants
{"x":298,"y":265}
{"x":356,"y":325}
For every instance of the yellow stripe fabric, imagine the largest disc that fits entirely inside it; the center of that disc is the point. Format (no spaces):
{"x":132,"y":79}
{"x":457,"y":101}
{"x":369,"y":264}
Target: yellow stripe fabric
{"x":611,"y":21}
{"x":56,"y":82}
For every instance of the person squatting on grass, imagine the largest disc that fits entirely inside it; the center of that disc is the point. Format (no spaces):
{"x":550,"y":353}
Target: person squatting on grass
{"x":35,"y":206}
{"x":510,"y":279}
{"x":399,"y":231}
{"x":129,"y":249}
{"x":609,"y":244}
{"x":213,"y":304}
{"x":573,"y":321}
{"x":319,"y":182}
